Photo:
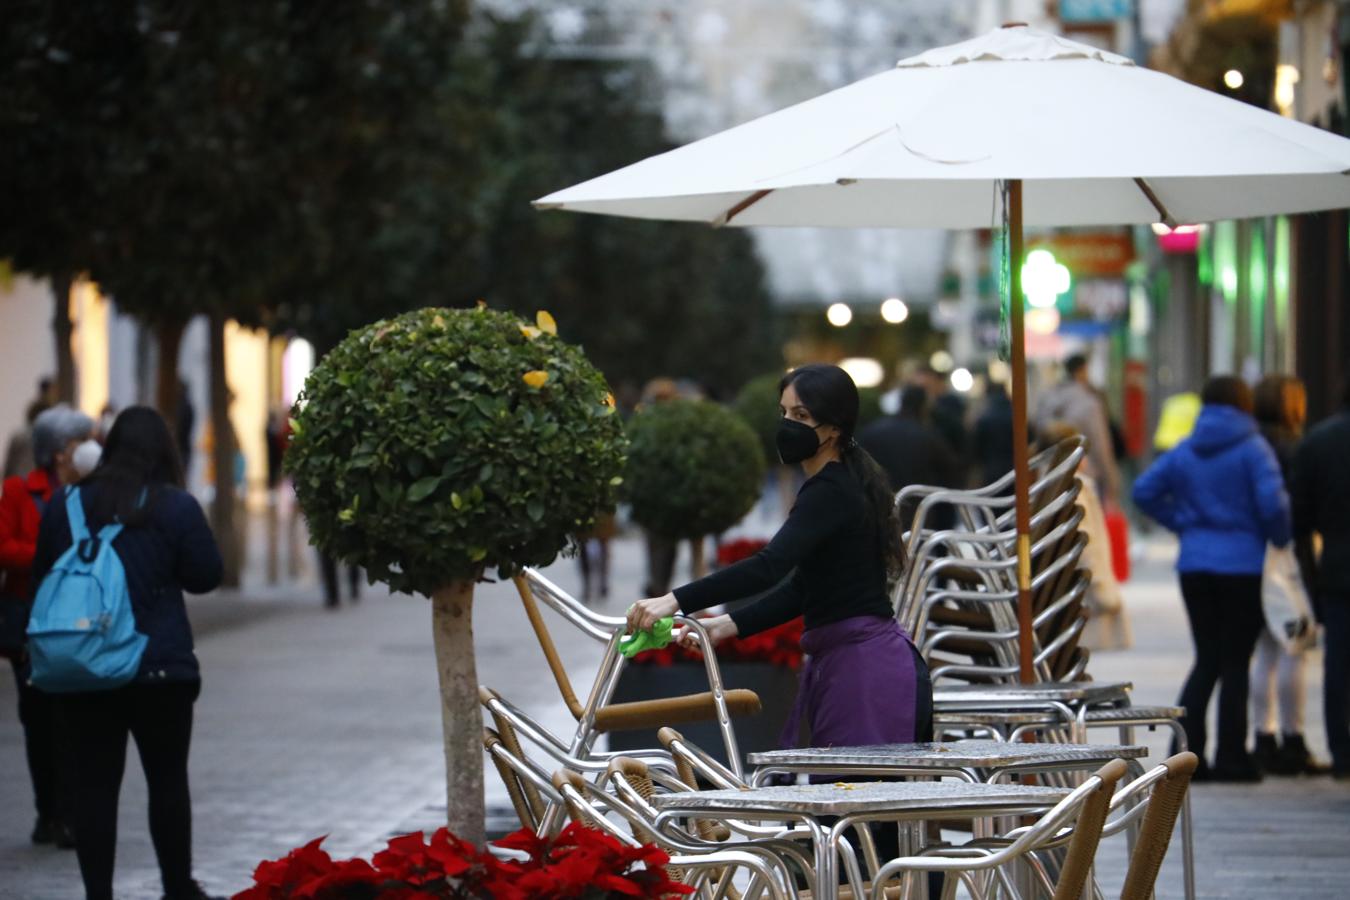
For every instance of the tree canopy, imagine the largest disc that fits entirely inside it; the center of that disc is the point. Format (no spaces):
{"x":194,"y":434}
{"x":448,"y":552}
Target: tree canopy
{"x":318,"y":167}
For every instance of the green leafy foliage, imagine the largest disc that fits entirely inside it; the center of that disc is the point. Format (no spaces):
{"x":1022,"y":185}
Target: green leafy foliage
{"x":757,"y":404}
{"x":694,"y":468}
{"x":430,"y":447}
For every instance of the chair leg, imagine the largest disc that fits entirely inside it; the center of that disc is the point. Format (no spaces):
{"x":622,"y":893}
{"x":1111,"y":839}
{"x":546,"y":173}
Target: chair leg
{"x":1187,"y":847}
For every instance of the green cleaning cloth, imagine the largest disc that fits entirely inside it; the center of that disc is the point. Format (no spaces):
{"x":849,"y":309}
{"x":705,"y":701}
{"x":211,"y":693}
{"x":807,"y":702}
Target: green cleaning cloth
{"x":658,"y":636}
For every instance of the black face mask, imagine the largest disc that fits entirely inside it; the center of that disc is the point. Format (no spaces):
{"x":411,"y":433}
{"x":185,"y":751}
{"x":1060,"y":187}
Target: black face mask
{"x":796,"y":441}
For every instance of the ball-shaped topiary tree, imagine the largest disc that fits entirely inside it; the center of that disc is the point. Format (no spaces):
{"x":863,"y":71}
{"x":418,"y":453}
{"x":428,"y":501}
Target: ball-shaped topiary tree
{"x":694,"y":468}
{"x":431,"y":447}
{"x":757,"y":404}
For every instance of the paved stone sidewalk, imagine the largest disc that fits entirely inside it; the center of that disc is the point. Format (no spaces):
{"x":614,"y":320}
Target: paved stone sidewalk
{"x":317,"y":722}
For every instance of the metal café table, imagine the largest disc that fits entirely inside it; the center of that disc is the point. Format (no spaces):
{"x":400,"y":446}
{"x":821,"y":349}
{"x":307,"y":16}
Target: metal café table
{"x":973,"y":761}
{"x":1070,"y":699}
{"x":906,"y":802}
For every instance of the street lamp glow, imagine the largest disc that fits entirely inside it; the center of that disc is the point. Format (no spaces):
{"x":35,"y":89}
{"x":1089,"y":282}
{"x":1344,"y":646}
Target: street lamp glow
{"x":941,"y":361}
{"x":1233,"y":79}
{"x":839,"y":314}
{"x":1044,"y":278}
{"x":865,"y":371}
{"x":1042,"y":321}
{"x":962,"y":380}
{"x":894,"y":310}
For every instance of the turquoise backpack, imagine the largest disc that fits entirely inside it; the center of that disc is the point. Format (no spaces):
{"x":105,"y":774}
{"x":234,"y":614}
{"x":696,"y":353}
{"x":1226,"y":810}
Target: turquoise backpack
{"x":82,"y":633}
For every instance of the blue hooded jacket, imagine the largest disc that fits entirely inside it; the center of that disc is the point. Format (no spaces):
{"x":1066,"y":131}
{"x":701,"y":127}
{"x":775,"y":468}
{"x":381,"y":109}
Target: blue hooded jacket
{"x":1221,"y":490}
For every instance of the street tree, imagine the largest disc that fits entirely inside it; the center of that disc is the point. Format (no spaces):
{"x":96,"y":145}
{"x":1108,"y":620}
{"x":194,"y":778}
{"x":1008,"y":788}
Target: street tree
{"x":694,"y":468}
{"x":440,"y":445}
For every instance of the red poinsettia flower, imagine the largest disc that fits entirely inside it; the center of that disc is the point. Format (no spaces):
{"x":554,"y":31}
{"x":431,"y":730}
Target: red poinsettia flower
{"x":344,"y":876}
{"x":280,"y":878}
{"x":580,"y":864}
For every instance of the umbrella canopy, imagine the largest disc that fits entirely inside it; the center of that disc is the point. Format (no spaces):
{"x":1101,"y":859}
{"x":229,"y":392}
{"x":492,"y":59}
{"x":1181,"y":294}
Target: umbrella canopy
{"x":1095,"y":139}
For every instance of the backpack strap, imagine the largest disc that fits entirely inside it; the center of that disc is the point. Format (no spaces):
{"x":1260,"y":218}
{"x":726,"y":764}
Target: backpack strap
{"x":79,"y":530}
{"x":87,"y":543}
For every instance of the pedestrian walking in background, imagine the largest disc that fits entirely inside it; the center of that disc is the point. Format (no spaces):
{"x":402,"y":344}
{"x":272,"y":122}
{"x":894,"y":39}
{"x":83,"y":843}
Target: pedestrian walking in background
{"x":1221,"y":491}
{"x":593,"y":556}
{"x":910,"y":450}
{"x":57,"y":433}
{"x":947,"y":411}
{"x":1107,"y":628}
{"x":1075,"y":403}
{"x":19,"y":451}
{"x":993,"y":435}
{"x":1278,"y":674}
{"x":165,"y":548}
{"x":1321,"y":499}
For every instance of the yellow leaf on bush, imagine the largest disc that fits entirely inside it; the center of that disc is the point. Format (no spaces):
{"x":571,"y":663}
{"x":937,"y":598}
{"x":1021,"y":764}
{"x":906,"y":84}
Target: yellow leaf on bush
{"x":609,"y":400}
{"x":546,"y":323}
{"x":535,"y":378}
{"x":530,"y":331}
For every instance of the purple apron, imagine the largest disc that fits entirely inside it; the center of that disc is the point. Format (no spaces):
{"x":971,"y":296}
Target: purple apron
{"x":857,"y":687}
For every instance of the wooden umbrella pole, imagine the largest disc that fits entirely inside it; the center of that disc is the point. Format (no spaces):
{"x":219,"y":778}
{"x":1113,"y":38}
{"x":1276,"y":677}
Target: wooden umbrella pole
{"x":1021,"y":465}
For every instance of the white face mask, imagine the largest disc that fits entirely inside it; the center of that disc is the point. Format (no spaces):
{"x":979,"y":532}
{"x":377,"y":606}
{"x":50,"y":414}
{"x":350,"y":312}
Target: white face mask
{"x":86,"y":456}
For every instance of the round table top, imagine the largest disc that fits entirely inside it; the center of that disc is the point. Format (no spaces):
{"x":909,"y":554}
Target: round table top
{"x":974,"y":754}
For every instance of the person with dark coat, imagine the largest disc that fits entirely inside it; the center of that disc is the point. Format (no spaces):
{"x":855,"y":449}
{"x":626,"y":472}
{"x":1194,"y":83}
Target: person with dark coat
{"x":166,"y":548}
{"x":911,"y":450}
{"x":56,"y":433}
{"x":1321,"y":499}
{"x":1221,"y":491}
{"x":947,"y":412}
{"x":993,"y":435}
{"x":1278,"y":691}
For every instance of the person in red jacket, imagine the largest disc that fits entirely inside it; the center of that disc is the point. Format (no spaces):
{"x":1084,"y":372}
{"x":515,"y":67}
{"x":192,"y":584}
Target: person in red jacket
{"x":57,"y":433}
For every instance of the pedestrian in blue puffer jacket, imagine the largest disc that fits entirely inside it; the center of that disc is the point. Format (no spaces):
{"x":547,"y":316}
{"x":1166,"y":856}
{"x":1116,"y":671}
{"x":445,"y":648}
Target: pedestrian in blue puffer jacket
{"x":1222,"y":492}
{"x":166,"y":548}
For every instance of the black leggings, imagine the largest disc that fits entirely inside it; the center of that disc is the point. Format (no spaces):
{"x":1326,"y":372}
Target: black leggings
{"x":159,"y":717}
{"x":48,"y":753}
{"x":1226,"y":620}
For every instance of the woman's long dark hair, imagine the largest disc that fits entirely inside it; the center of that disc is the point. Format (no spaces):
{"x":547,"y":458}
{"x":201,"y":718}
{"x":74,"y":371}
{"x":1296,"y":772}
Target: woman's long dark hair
{"x":139,"y":458}
{"x":831,"y":397}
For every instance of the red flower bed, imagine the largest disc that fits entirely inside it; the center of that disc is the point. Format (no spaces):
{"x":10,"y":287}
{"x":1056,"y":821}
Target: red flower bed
{"x":781,"y":646}
{"x":581,"y":863}
{"x":737,"y":550}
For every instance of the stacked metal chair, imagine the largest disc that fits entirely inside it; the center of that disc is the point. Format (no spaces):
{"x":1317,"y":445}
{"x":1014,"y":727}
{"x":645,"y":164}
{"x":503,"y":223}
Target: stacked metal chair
{"x":958,"y":596}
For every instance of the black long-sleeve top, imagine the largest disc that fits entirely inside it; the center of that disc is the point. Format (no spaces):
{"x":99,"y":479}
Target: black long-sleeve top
{"x":1321,"y":502}
{"x":839,"y":569}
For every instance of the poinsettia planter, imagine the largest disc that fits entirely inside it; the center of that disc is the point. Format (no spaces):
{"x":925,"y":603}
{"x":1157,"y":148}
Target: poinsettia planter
{"x":775,"y":684}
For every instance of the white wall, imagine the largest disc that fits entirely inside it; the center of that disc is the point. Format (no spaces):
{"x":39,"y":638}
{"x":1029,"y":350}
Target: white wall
{"x":27,"y":351}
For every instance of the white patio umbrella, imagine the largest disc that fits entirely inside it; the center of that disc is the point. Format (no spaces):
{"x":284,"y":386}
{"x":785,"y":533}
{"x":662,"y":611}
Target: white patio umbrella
{"x":1079,"y":136}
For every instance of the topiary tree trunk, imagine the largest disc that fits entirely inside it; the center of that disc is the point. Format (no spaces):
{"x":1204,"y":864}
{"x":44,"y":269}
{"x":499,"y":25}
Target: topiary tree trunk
{"x":461,"y":716}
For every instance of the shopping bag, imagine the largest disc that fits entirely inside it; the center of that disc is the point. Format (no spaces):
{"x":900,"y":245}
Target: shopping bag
{"x":1284,"y":600}
{"x":1118,"y":527}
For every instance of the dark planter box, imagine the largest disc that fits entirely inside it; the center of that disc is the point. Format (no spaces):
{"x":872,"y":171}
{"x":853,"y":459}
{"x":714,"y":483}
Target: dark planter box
{"x":775,"y":685}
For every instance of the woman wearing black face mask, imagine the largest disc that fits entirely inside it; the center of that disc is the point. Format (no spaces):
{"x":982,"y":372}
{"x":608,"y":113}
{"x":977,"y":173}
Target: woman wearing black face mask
{"x":863,"y":682}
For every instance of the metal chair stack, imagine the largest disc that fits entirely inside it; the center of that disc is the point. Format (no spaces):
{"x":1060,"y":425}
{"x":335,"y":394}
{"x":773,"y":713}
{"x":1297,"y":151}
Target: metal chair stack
{"x":958,"y":596}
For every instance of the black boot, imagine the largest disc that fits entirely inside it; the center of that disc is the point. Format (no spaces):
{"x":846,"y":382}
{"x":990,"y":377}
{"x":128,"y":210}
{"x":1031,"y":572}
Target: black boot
{"x":1294,"y":758}
{"x":194,"y":892}
{"x":44,"y":831}
{"x":1266,"y":751}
